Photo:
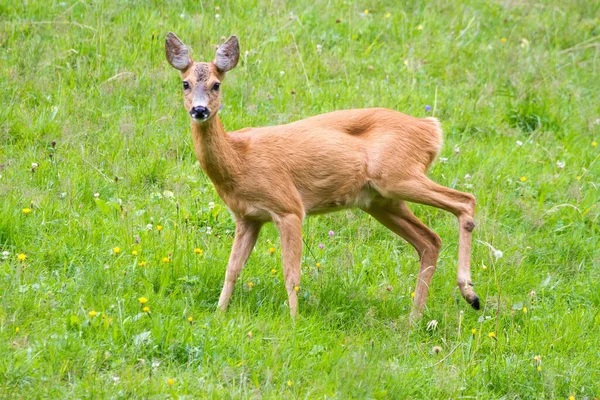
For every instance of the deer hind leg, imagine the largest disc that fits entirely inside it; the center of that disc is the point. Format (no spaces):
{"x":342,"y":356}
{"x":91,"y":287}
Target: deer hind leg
{"x":246,"y":233}
{"x":397,"y":217}
{"x":290,"y":230}
{"x":422,"y":190}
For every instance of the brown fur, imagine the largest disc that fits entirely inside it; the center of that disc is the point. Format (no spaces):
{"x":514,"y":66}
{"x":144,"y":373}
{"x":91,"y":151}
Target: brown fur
{"x":374,"y":159}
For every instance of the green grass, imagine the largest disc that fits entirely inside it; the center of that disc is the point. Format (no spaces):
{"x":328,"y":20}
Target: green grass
{"x":92,"y":76}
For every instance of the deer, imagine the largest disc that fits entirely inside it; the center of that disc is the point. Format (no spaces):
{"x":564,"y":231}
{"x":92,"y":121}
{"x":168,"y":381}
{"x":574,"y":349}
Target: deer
{"x":373,"y":159}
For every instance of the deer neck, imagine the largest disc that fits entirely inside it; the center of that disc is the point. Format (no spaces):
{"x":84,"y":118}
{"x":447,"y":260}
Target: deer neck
{"x":215,"y":151}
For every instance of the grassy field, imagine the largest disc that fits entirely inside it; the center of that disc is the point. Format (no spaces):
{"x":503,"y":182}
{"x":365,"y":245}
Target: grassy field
{"x":102,"y":202}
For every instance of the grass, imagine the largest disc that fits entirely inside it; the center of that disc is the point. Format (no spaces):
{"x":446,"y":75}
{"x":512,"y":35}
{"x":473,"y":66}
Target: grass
{"x":88,"y":96}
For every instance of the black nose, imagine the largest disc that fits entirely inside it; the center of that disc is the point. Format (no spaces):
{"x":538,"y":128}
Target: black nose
{"x":199,"y":112}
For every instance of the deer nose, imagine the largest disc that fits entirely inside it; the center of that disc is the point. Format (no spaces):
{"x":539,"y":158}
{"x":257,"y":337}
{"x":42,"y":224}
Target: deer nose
{"x":199,"y":112}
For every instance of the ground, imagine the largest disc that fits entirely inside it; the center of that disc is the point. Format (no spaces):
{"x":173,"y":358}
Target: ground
{"x":104,"y":209}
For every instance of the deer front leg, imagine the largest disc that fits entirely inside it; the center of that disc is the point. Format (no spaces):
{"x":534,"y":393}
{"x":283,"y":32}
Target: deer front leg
{"x":290,"y":230}
{"x":246,"y":233}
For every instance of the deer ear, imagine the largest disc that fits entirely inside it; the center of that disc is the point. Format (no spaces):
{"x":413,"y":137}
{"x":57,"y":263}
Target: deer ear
{"x":177,"y":54}
{"x":228,"y":55}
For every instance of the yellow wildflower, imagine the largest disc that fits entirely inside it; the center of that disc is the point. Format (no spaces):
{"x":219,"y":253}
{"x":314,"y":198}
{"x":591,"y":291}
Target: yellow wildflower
{"x":388,"y":15}
{"x":146,"y":309}
{"x":21,"y":257}
{"x":296,"y":288}
{"x":473,"y":331}
{"x":420,"y":27}
{"x":198,"y":251}
{"x":143,"y":300}
{"x":134,"y":252}
{"x":318,"y":265}
{"x":273,"y":271}
{"x":571,"y":397}
{"x":170,"y":381}
{"x":166,"y":259}
{"x":159,"y":228}
{"x":17,"y":329}
{"x":289,"y":383}
{"x":503,"y":40}
{"x":142,"y":264}
{"x":250,"y":335}
{"x":492,"y":335}
{"x":578,"y":177}
{"x":523,"y":178}
{"x":116,"y":250}
{"x":366,"y":11}
{"x":26,"y":211}
{"x":525,"y":310}
{"x":250,"y":285}
{"x":92,"y":313}
{"x":271,"y":250}
{"x":594,"y":144}
{"x":539,"y":367}
{"x":413,"y":295}
{"x":190,"y":319}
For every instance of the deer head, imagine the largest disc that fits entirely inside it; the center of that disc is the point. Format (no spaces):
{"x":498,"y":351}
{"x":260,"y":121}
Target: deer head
{"x":202,"y":80}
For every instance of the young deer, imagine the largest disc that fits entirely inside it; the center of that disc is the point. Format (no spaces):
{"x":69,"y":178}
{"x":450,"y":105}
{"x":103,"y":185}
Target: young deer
{"x":374,"y":159}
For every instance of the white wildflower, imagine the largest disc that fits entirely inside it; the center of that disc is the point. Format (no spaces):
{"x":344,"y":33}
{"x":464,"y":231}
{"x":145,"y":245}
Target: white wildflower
{"x":211,"y":205}
{"x":149,"y":227}
{"x":96,"y":195}
{"x":519,"y":143}
{"x":498,"y":254}
{"x":560,"y":164}
{"x":208,"y":230}
{"x":467,"y":177}
{"x":5,"y":255}
{"x":443,"y":160}
{"x":217,"y":16}
{"x":319,"y":49}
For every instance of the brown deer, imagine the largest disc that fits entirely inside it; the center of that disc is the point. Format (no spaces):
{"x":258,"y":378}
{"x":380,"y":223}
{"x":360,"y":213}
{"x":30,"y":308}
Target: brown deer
{"x":374,"y":159}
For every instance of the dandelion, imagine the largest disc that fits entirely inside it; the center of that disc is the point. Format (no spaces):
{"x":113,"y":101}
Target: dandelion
{"x":321,"y":246}
{"x":171,"y":381}
{"x":92,"y":314}
{"x":143,"y":300}
{"x":523,"y":178}
{"x":296,"y":288}
{"x":539,"y":368}
{"x":250,"y":285}
{"x":366,"y":12}
{"x":427,"y":108}
{"x":594,"y":144}
{"x":473,"y":331}
{"x":331,"y":233}
{"x":17,"y":329}
{"x":420,"y":27}
{"x":134,"y":252}
{"x":578,"y":177}
{"x":503,"y":40}
{"x":492,"y":335}
{"x":198,"y":251}
{"x":318,"y":265}
{"x":387,"y":15}
{"x":273,"y":271}
{"x":190,"y":319}
{"x":5,"y":255}
{"x":142,"y":264}
{"x":289,"y":383}
{"x":560,"y":164}
{"x":412,"y":294}
{"x":116,"y":250}
{"x":525,"y":310}
{"x":26,"y":211}
{"x":146,"y":309}
{"x":21,"y":257}
{"x":166,"y":259}
{"x":271,"y":250}
{"x":498,"y":253}
{"x":159,"y":228}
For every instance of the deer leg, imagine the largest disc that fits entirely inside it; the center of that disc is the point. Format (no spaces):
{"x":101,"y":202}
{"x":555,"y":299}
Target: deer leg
{"x":246,"y":233}
{"x":397,"y":217}
{"x":290,"y":230}
{"x":424,"y":191}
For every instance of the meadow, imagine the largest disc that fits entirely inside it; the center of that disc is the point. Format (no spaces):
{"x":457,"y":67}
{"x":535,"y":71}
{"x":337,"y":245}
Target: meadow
{"x":114,"y":242}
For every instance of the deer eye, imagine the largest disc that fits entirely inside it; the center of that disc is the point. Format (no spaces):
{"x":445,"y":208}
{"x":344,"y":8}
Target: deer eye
{"x":216,"y":86}
{"x":186,"y":85}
